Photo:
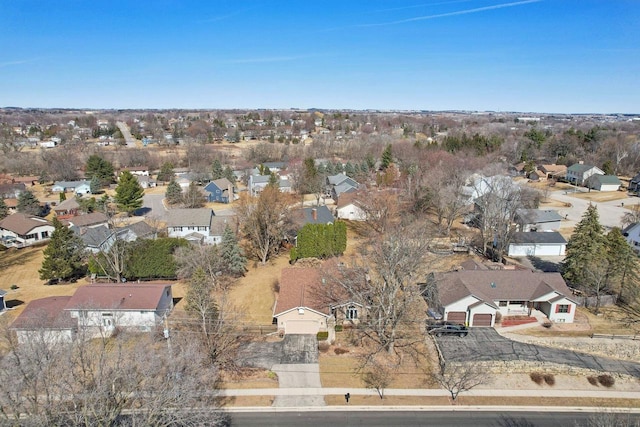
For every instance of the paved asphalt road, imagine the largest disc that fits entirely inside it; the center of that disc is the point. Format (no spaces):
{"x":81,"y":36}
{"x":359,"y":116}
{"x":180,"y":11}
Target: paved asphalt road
{"x":424,"y":418}
{"x":152,"y":207}
{"x":126,"y":133}
{"x":611,"y":213}
{"x":485,"y":344}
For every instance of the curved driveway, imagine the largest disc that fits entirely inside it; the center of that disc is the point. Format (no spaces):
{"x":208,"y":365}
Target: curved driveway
{"x":485,"y":344}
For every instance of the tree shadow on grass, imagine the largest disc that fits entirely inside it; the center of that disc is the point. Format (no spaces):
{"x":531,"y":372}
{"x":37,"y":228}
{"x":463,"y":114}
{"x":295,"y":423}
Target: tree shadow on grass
{"x":12,"y":303}
{"x":16,"y":257}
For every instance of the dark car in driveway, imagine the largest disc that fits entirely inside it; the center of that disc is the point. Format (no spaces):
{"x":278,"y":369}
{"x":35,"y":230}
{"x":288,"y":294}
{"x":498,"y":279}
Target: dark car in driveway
{"x":440,"y":329}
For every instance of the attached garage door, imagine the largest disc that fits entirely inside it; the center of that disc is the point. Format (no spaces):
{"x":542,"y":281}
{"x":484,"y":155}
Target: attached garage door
{"x":457,"y":317}
{"x":481,"y":320}
{"x":301,"y":327}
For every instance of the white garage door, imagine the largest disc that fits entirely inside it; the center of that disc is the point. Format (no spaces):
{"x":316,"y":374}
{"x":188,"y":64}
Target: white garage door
{"x":536,"y":250}
{"x":301,"y":327}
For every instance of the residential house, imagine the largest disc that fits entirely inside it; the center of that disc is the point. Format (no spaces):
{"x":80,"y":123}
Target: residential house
{"x":3,"y":304}
{"x":349,"y":207}
{"x":20,"y":230}
{"x":634,"y":184}
{"x":220,"y":190}
{"x":313,"y":215}
{"x":340,"y":184}
{"x":11,"y":190}
{"x":632,"y":234}
{"x":48,"y":144}
{"x":550,"y":243}
{"x":302,"y":307}
{"x":78,"y":187}
{"x":579,"y":173}
{"x":553,"y":171}
{"x":95,"y":239}
{"x":195,"y":225}
{"x":537,"y":220}
{"x":603,"y":182}
{"x":146,"y":181}
{"x":137,"y":170}
{"x":93,"y":219}
{"x":137,"y":230}
{"x":45,"y":320}
{"x":101,"y":308}
{"x":67,"y":208}
{"x":12,"y":205}
{"x":474,"y":297}
{"x":258,"y":182}
{"x":29,"y":181}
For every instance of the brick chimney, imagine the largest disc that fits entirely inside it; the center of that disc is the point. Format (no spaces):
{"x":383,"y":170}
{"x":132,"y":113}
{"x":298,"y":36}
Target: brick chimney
{"x":314,"y":214}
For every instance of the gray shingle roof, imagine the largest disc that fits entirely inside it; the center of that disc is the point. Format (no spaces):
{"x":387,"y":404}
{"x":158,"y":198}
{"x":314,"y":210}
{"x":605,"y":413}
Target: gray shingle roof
{"x":606,"y":179}
{"x":537,"y":216}
{"x":552,"y":237}
{"x":189,"y":217}
{"x":579,"y":168}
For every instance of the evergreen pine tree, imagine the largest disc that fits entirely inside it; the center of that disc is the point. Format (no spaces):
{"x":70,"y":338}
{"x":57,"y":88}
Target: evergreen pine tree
{"x":129,"y":193}
{"x":585,"y":248}
{"x":338,"y":168}
{"x":387,"y":157}
{"x":94,"y":185}
{"x":232,"y":254}
{"x":228,"y":173}
{"x":173,"y":193}
{"x":28,"y":204}
{"x":166,"y":172}
{"x":63,"y":256}
{"x":4,"y":209}
{"x":350,"y":170}
{"x":274,"y":181}
{"x":624,"y":266}
{"x":62,"y":197}
{"x":216,"y":170}
{"x":98,"y":167}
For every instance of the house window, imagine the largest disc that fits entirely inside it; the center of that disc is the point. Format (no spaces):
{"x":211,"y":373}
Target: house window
{"x":45,"y":234}
{"x":563,"y":308}
{"x":31,"y":236}
{"x":352,"y":313}
{"x":177,"y":228}
{"x":191,"y":228}
{"x":502,"y":303}
{"x":517,"y":302}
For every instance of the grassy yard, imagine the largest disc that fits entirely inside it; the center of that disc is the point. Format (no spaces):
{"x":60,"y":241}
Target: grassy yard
{"x":20,"y":267}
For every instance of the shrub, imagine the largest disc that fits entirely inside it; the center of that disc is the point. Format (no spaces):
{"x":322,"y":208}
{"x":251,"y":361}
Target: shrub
{"x":536,"y":377}
{"x":547,"y":324}
{"x":338,"y":328}
{"x":339,"y":351}
{"x":14,"y":287}
{"x":323,"y":336}
{"x":275,"y":286}
{"x":323,"y":346}
{"x":606,"y":380}
{"x":550,"y":379}
{"x":272,"y":375}
{"x":498,"y":317}
{"x":592,"y":380}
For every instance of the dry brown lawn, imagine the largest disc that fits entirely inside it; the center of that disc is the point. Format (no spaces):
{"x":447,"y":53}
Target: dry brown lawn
{"x":613,"y":320}
{"x":598,"y":196}
{"x":243,"y":401}
{"x":20,"y":267}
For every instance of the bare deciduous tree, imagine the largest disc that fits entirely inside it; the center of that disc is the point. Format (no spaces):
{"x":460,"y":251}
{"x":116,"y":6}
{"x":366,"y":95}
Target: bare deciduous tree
{"x":458,"y":378}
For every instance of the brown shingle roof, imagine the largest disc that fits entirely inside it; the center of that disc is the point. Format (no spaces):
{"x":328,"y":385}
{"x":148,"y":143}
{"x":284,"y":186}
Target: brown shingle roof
{"x":492,"y":285}
{"x":298,"y":288}
{"x":189,"y":217}
{"x":21,"y":223}
{"x":140,"y":296}
{"x":87,"y":220}
{"x":45,"y":313}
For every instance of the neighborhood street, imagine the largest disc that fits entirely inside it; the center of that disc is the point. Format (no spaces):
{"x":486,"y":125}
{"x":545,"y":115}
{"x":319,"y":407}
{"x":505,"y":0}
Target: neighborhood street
{"x":611,"y":213}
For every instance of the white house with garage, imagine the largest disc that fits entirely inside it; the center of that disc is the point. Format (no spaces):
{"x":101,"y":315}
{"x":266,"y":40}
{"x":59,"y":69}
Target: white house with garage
{"x":475,"y":297}
{"x":537,"y":244}
{"x":349,"y":208}
{"x":309,"y":303}
{"x":537,"y":220}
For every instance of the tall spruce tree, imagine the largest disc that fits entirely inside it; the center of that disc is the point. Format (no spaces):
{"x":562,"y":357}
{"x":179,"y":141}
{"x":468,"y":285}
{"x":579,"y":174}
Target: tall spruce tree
{"x":585,"y":247}
{"x":387,"y":157}
{"x":166,"y":172}
{"x":173,"y":193}
{"x":28,"y":204}
{"x":129,"y":193}
{"x":624,"y":266}
{"x":100,"y":168}
{"x":4,"y":209}
{"x":63,"y":256}
{"x":216,"y":170}
{"x":232,"y":254}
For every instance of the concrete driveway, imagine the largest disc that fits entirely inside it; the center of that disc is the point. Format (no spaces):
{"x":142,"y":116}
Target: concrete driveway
{"x":294,"y":360}
{"x":485,"y":344}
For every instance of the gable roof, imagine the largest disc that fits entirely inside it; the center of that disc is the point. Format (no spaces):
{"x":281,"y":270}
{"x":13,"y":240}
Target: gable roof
{"x":605,"y":179}
{"x":494,"y":285}
{"x":70,"y":184}
{"x":553,"y":169}
{"x":221,"y":184}
{"x":305,"y":216}
{"x":348,"y":199}
{"x":219,"y":223}
{"x":45,"y":313}
{"x":537,"y":216}
{"x":299,"y":288}
{"x":22,"y":224}
{"x":580,"y":168}
{"x":200,"y":217}
{"x":86,"y":220}
{"x":66,"y":205}
{"x":549,"y":237}
{"x":139,"y":296}
{"x":140,"y":229}
{"x":93,"y":236}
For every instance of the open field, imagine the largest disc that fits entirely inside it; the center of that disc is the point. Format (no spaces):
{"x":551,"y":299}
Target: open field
{"x":602,"y":196}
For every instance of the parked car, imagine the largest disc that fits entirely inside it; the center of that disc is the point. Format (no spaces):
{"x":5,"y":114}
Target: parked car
{"x":440,"y":329}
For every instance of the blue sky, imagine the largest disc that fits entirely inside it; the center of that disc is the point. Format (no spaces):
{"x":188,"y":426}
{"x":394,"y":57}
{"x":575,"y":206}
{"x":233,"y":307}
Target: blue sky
{"x":531,"y":56}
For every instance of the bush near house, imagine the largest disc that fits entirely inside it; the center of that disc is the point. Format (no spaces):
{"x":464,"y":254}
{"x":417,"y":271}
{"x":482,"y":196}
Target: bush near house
{"x":320,"y":241}
{"x":153,"y":259}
